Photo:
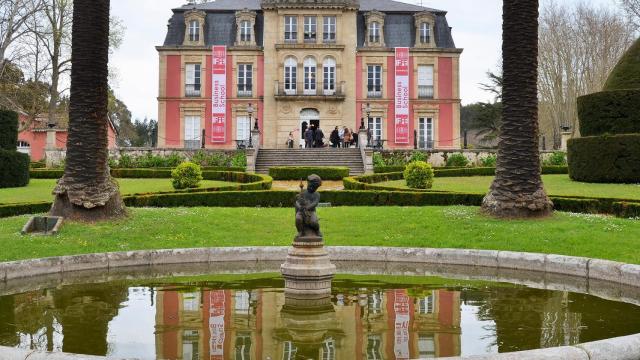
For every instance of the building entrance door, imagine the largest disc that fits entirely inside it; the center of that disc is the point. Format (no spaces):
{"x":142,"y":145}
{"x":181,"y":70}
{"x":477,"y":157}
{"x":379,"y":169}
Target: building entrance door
{"x":308,"y":117}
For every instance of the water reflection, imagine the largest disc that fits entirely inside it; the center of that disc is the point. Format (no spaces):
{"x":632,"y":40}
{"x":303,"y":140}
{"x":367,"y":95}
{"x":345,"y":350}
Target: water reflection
{"x":217,"y":321}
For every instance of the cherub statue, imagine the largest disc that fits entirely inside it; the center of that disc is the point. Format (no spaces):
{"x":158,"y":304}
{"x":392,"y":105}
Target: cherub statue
{"x":306,"y":202}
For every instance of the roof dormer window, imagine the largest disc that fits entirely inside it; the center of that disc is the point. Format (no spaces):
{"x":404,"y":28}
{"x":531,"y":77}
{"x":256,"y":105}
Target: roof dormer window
{"x":374,"y":32}
{"x":194,"y":31}
{"x":424,"y":22}
{"x":375,"y":29}
{"x":245,"y":23}
{"x":425,"y":33}
{"x":245,"y":31}
{"x":194,"y":23}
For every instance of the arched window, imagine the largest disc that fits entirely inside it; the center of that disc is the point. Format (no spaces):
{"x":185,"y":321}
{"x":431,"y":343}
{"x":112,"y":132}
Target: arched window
{"x":329,"y":72}
{"x":290,"y":75}
{"x":425,"y":33}
{"x":374,"y":32}
{"x":245,"y":31}
{"x":310,"y":68}
{"x":194,"y":30}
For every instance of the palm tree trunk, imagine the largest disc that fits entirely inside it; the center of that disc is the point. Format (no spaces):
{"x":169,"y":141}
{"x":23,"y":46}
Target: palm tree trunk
{"x":517,"y":191}
{"x":86,"y":191}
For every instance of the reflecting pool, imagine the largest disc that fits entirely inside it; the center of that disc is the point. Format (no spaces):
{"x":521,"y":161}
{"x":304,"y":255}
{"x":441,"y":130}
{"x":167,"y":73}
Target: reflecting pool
{"x":248,"y":317}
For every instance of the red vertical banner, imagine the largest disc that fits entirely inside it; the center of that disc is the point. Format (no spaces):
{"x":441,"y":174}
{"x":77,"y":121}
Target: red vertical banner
{"x":216,"y":324}
{"x":219,"y":95}
{"x":402,"y":96}
{"x":402,"y":314}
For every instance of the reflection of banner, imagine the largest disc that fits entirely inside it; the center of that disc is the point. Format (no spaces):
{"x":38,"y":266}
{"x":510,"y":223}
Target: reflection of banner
{"x":219,"y":95}
{"x":216,"y":324}
{"x":402,"y":96}
{"x":402,"y":319}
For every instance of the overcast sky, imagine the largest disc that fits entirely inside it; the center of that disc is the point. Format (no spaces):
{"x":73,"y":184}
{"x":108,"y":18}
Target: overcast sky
{"x":476,"y":28}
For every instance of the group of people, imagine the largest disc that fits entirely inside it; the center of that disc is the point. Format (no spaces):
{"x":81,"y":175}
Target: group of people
{"x":314,"y":138}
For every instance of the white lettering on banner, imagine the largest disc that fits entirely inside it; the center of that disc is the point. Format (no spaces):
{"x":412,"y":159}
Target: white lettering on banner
{"x":216,"y":324}
{"x":402,"y":320}
{"x":219,"y":95}
{"x":402,"y":96}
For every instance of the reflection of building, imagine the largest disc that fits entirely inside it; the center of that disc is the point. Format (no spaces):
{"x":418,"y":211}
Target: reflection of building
{"x":228,"y":324}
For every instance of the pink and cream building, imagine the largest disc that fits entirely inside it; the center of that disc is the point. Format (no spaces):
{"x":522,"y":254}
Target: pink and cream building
{"x":287,"y":64}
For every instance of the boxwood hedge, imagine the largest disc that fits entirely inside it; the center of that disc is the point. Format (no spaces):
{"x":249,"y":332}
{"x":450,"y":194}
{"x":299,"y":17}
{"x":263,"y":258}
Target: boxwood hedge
{"x":605,"y":159}
{"x":610,"y":112}
{"x":14,"y":169}
{"x":302,"y":172}
{"x":8,"y":130}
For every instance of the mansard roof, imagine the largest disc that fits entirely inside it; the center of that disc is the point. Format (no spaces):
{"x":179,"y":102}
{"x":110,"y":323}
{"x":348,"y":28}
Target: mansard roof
{"x":221,"y":28}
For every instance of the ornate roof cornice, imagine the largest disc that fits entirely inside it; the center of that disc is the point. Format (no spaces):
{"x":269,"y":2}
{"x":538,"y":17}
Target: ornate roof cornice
{"x":311,"y":4}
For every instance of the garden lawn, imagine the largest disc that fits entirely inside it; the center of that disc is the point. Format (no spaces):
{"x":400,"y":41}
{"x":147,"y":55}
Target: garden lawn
{"x":437,"y":227}
{"x":40,"y":189}
{"x":557,"y":185}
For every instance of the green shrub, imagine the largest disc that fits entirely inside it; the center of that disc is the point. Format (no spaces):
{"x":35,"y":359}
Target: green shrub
{"x":388,"y":169}
{"x":8,"y":130}
{"x":555,"y":170}
{"x":489,"y":161}
{"x":419,"y":156}
{"x":609,"y":112}
{"x":605,"y":159}
{"x":126,"y":161}
{"x":239,"y":160}
{"x":458,"y":160}
{"x":378,"y":160}
{"x":558,"y":158}
{"x":419,"y":175}
{"x":626,"y":74}
{"x":186,"y":176}
{"x":14,"y":169}
{"x":302,"y":172}
{"x":38,"y":165}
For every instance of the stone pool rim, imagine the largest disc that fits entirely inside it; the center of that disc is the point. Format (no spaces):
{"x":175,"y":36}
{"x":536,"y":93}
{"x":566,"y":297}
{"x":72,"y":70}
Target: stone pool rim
{"x":621,"y":348}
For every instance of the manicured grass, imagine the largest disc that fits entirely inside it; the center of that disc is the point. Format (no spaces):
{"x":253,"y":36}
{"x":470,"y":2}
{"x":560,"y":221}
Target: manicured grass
{"x":439,"y":227}
{"x":40,"y":189}
{"x":559,"y":185}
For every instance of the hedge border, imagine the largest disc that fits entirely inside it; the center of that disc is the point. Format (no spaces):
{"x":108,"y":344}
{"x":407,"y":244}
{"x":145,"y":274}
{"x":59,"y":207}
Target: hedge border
{"x":468,"y":171}
{"x":605,"y":159}
{"x":142,"y":173}
{"x":302,"y":172}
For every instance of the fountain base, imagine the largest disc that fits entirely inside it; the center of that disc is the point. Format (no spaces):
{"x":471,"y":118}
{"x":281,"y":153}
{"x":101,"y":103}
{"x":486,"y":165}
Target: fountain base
{"x":308,"y":271}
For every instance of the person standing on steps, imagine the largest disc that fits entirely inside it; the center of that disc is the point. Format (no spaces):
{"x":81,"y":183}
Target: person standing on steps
{"x":319,"y":138}
{"x":354,"y":138}
{"x":335,"y":138}
{"x":308,"y":137}
{"x":290,"y":141}
{"x":341,"y":136}
{"x":347,"y":138}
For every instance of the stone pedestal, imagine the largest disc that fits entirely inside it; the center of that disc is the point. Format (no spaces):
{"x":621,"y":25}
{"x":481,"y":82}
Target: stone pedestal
{"x":362,"y":139}
{"x":565,"y":136}
{"x":308,"y":271}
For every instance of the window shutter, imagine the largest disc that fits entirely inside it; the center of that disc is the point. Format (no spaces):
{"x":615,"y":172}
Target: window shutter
{"x":191,"y":72}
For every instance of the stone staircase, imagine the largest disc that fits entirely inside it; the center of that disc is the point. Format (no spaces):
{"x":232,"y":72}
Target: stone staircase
{"x":350,"y":158}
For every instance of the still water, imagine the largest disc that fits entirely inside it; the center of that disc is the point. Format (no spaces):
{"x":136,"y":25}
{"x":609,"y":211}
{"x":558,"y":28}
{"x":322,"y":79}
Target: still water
{"x":366,"y":318}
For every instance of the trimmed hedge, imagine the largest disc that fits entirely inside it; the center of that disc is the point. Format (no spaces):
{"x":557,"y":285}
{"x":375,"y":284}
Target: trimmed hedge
{"x":605,"y":159}
{"x":469,"y":171}
{"x":14,"y":169}
{"x":389,"y":169}
{"x":8,"y":130}
{"x":302,"y":172}
{"x":626,"y":74}
{"x":609,"y":112}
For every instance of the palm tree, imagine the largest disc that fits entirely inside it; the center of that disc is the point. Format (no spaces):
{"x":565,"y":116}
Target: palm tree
{"x":86,"y":191}
{"x":517,"y":191}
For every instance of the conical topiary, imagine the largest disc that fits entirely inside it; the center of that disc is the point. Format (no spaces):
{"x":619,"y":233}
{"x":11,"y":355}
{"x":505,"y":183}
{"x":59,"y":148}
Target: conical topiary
{"x":626,"y":74}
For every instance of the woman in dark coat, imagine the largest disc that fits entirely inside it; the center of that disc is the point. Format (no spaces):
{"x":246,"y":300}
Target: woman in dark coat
{"x":334,"y":138}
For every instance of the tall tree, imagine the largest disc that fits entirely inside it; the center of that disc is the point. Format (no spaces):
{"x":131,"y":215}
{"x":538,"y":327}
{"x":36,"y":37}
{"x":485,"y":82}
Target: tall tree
{"x":14,"y":15}
{"x":86,"y":192}
{"x":632,"y":8}
{"x":517,"y":191}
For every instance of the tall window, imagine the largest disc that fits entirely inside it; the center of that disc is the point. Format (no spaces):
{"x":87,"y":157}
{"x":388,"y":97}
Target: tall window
{"x":242,"y":130}
{"x":290,"y":76}
{"x":374,"y":344}
{"x":290,"y":28}
{"x":374,"y":32}
{"x":329,"y":33}
{"x":192,"y":132}
{"x":245,"y":31}
{"x":194,"y":31}
{"x":310,"y":28}
{"x":310,"y":76}
{"x":245,"y":80}
{"x":191,"y":301}
{"x":289,"y":351}
{"x":425,"y":305}
{"x":192,"y":79}
{"x":426,"y":346}
{"x":243,"y":346}
{"x":374,"y":81}
{"x":190,"y":348}
{"x":425,"y":33}
{"x":425,"y":82}
{"x":425,"y":133}
{"x":375,"y":299}
{"x":375,"y":125}
{"x":329,"y":349}
{"x":329,"y":72}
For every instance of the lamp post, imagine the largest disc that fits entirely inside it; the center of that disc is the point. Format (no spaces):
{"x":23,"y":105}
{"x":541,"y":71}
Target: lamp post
{"x":367,"y":110}
{"x":250,"y":111}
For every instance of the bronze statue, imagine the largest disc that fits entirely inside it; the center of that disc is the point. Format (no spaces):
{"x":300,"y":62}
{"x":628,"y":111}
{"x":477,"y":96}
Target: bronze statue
{"x":306,"y":202}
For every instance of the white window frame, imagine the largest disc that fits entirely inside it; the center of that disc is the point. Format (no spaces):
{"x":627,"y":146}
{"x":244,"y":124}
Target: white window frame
{"x":290,"y":76}
{"x":290,"y":28}
{"x":425,"y":133}
{"x":192,"y":131}
{"x":374,"y":32}
{"x":310,"y":29}
{"x":310,"y":76}
{"x":289,"y":351}
{"x":374,"y":345}
{"x":375,"y":124}
{"x":245,"y":31}
{"x":330,"y":27}
{"x":329,"y":349}
{"x":194,"y":31}
{"x":425,"y":82}
{"x":242,"y":351}
{"x":374,"y":81}
{"x":426,"y":346}
{"x":425,"y":33}
{"x":193,"y":78}
{"x":426,"y":305}
{"x":243,"y":130}
{"x":245,"y":80}
{"x":191,"y":301}
{"x":329,"y":76}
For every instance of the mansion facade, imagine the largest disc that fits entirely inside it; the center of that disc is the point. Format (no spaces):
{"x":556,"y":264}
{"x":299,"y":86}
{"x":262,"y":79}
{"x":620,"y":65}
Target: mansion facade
{"x":230,"y":66}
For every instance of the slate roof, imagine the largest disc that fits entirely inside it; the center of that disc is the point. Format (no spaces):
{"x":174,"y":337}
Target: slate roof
{"x":221,"y":30}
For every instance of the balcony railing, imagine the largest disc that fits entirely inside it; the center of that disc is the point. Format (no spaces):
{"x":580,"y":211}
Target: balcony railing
{"x":245,"y":91}
{"x":374,"y":92}
{"x":299,"y":90}
{"x":192,"y":90}
{"x":425,"y":92}
{"x":425,"y":145}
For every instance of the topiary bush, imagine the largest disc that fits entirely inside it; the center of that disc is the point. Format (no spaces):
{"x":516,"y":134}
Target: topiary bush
{"x":457,"y":160}
{"x":626,"y":74}
{"x":419,"y":175}
{"x":14,"y":169}
{"x":8,"y":130}
{"x":186,"y":176}
{"x":609,"y":112}
{"x":605,"y":159}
